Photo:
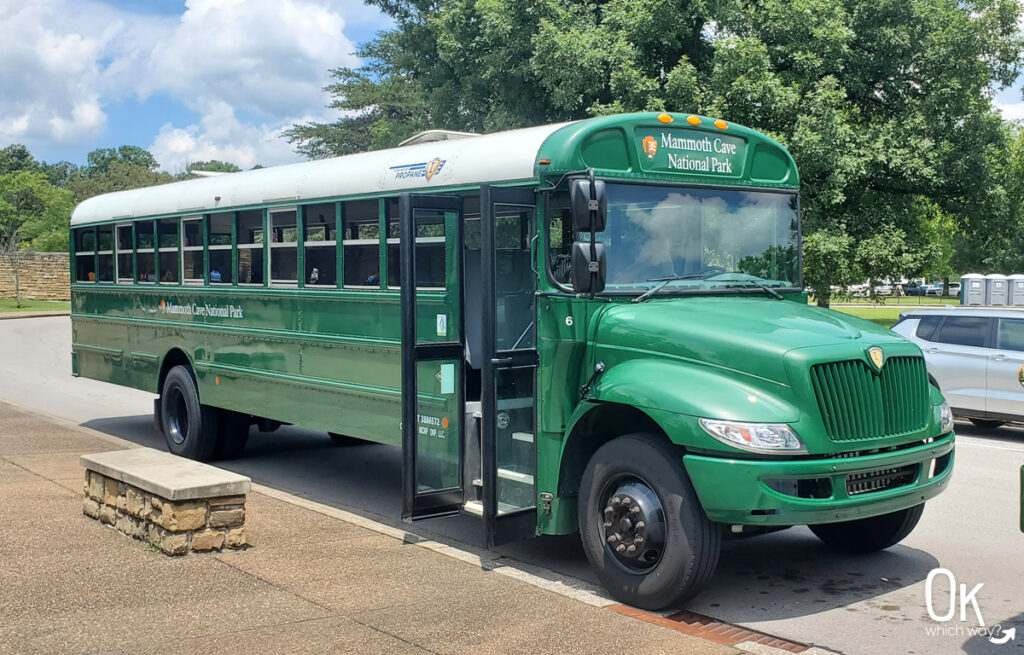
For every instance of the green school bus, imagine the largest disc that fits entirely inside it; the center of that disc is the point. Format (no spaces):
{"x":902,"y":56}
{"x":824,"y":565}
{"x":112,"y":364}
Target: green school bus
{"x":597,"y":326}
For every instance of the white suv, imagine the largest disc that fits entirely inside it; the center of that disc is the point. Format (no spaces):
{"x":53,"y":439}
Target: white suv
{"x":975,"y":357}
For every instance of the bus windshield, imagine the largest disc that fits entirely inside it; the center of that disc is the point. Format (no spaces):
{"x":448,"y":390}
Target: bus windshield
{"x":707,"y":238}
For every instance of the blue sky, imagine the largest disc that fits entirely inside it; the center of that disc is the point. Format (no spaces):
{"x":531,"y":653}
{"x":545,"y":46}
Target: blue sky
{"x":189,"y":80}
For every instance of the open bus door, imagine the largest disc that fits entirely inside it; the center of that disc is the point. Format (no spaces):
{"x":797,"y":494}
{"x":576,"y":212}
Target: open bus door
{"x":433,"y":384}
{"x":509,"y":364}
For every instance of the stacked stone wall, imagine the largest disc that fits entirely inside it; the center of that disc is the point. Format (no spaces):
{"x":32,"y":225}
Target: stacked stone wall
{"x":175,"y":527}
{"x":44,"y":276}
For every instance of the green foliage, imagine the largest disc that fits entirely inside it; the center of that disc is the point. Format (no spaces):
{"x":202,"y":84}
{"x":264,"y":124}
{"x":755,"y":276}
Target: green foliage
{"x":15,"y":158}
{"x":36,"y":209}
{"x":101,"y":160}
{"x":828,"y":262}
{"x":885,"y":104}
{"x":113,"y":175}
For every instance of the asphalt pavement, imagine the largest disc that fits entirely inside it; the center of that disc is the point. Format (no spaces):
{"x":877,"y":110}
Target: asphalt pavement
{"x":785,"y":583}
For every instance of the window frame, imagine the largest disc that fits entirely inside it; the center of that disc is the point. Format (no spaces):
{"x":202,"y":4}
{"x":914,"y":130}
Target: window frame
{"x":251,"y":246}
{"x":86,"y":253}
{"x":176,"y":222}
{"x":345,"y":242}
{"x":201,"y":249}
{"x":112,"y":253}
{"x":209,"y":247}
{"x":118,"y":251}
{"x":323,"y":245}
{"x":273,"y":245}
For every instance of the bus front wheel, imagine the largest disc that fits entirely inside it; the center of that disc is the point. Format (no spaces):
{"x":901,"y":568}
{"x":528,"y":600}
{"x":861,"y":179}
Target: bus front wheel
{"x":190,"y":428}
{"x":871,"y":534}
{"x":643,"y":528}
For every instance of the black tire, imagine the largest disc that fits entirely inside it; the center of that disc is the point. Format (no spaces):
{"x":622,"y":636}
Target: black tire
{"x":190,"y":428}
{"x":234,"y":435}
{"x":690,"y":541}
{"x":987,"y":423}
{"x":869,"y":535}
{"x":345,"y":440}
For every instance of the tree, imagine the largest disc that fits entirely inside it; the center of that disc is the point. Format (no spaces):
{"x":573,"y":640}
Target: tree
{"x":884,"y":104}
{"x":212,"y":165}
{"x":16,"y":157}
{"x":110,"y":169}
{"x":828,"y":263}
{"x":38,"y":211}
{"x":12,"y":251}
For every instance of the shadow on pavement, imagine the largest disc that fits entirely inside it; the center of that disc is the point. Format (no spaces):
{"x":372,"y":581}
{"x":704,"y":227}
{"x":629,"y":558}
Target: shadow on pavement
{"x":781,"y":575}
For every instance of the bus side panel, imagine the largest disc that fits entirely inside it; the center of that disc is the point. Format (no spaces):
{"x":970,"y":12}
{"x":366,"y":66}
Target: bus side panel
{"x":328,"y":361}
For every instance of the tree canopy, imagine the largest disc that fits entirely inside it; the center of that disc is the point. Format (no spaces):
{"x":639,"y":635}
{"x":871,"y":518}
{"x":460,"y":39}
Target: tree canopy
{"x":885,"y":104}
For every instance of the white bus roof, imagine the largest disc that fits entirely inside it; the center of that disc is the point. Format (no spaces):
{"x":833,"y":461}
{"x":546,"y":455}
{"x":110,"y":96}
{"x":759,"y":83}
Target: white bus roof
{"x":502,"y":156}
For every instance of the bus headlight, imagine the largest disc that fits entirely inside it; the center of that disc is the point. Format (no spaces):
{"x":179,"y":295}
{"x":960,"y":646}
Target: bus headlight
{"x":756,"y":437}
{"x":946,"y":417}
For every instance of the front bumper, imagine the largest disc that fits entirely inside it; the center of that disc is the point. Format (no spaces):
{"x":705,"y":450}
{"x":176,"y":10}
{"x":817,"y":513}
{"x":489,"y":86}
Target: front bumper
{"x":738,"y":491}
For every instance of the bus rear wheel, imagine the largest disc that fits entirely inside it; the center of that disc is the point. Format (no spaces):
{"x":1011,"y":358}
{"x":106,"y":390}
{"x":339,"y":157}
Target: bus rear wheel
{"x":190,"y":428}
{"x":643,"y":528}
{"x":871,"y":534}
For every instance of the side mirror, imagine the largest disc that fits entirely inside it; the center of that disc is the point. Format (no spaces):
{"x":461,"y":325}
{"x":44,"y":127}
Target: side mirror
{"x":588,"y":213}
{"x":587,"y":272}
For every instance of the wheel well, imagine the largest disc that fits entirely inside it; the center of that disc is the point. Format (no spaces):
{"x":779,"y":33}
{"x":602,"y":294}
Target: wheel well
{"x":600,"y":425}
{"x":174,"y":357}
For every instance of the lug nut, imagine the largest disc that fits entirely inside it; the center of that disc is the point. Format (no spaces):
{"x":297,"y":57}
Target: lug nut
{"x":640,"y":525}
{"x":631,"y":548}
{"x":607,"y":524}
{"x":620,"y":548}
{"x":616,"y":501}
{"x":635,"y":509}
{"x":639,"y":539}
{"x":609,"y":510}
{"x":612,"y":538}
{"x":626,"y":500}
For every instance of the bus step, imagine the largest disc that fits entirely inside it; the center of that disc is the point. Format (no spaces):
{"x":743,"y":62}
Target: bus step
{"x":476,"y":508}
{"x":515,"y":476}
{"x":515,"y":403}
{"x":523,"y":436}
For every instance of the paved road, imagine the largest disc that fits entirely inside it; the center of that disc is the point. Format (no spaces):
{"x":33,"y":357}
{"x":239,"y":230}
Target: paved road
{"x":785,"y":583}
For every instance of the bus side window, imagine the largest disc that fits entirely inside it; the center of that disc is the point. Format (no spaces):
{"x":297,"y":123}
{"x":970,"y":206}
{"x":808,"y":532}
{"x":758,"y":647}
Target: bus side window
{"x":249,"y":237}
{"x":320,"y":236}
{"x":145,"y":252}
{"x":85,"y":254}
{"x":168,"y":243}
{"x":284,"y":246}
{"x":192,"y":250}
{"x":125,"y":273}
{"x":361,"y":243}
{"x":105,"y":248}
{"x":220,"y":248}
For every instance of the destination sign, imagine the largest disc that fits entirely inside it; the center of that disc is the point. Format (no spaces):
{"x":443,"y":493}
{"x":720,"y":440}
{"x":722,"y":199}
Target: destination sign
{"x":691,"y":151}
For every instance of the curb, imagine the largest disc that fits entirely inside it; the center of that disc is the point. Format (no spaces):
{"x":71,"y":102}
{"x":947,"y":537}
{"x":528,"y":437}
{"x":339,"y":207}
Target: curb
{"x":12,"y":315}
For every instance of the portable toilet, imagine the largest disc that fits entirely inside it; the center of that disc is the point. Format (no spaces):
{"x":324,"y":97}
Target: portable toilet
{"x":972,"y":289}
{"x":1016,"y":295}
{"x":996,"y":288}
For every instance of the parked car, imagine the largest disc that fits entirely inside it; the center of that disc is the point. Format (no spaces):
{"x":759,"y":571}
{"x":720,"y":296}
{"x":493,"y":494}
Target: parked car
{"x":975,"y":357}
{"x":913,"y":289}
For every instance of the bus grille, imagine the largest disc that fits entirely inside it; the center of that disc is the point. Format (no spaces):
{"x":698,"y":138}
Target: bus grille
{"x":880,"y":480}
{"x":857,"y":403}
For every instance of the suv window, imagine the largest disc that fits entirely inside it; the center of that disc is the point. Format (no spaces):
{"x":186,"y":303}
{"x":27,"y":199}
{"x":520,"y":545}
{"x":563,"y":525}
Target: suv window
{"x":1011,"y":334}
{"x":926,"y":327}
{"x":963,"y":331}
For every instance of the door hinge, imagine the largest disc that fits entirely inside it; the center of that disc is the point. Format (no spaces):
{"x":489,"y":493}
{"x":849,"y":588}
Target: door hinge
{"x":545,"y":502}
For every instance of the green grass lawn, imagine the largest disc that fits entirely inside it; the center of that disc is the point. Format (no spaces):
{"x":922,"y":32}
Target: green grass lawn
{"x":884,"y":316}
{"x":8,"y":305}
{"x":897,"y":300}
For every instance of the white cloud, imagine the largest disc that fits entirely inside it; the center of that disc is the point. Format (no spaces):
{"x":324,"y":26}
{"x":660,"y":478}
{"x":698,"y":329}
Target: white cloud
{"x":61,"y":61}
{"x":1011,"y":111}
{"x":220,"y":135}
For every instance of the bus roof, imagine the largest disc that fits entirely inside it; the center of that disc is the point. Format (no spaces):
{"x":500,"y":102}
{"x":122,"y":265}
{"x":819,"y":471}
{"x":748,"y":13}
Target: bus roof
{"x":649,"y":146}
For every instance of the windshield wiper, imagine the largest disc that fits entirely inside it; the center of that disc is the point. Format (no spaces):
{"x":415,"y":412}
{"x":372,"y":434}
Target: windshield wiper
{"x":664,"y":282}
{"x":767,"y":289}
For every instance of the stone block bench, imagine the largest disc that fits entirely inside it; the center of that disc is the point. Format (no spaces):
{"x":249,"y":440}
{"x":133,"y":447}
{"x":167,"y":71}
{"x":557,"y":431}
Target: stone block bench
{"x":175,"y":504}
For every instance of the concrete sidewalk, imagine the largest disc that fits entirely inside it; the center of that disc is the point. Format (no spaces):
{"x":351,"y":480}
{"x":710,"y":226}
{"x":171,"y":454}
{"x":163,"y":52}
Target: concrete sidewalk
{"x":312,"y":583}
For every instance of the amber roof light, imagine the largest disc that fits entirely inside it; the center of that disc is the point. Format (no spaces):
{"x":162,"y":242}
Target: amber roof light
{"x":693,"y":120}
{"x":720,"y":124}
{"x":665,"y":118}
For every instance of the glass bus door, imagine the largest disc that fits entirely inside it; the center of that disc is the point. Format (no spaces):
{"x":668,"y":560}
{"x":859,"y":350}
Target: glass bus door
{"x":433,"y":403}
{"x":509,"y":364}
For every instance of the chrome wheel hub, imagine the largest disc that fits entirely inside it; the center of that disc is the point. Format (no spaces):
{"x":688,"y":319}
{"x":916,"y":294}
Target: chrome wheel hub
{"x":634,"y":524}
